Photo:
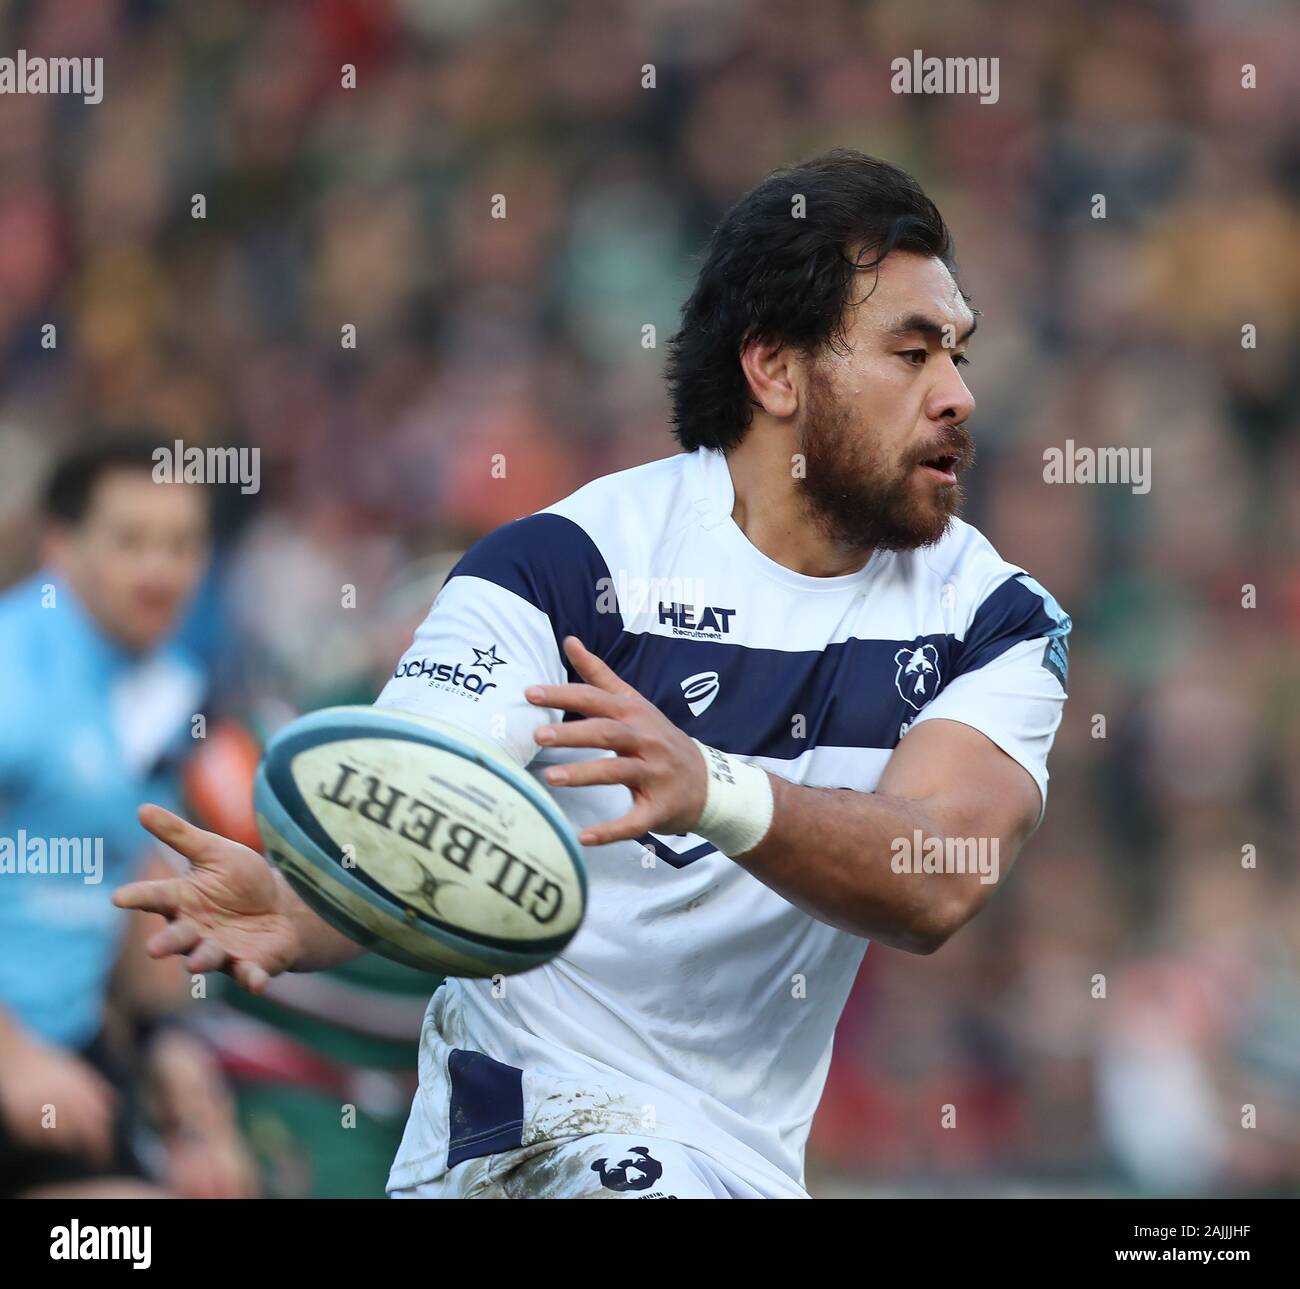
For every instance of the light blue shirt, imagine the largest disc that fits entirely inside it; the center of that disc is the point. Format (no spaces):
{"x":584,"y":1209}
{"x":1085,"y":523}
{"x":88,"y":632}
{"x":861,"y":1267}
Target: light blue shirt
{"x":88,"y":731}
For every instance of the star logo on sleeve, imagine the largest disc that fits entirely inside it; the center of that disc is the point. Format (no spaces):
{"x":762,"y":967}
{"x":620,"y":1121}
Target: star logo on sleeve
{"x":487,"y":659}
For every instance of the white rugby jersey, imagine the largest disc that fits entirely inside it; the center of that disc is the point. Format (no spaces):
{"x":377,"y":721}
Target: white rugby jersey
{"x":695,"y":1003}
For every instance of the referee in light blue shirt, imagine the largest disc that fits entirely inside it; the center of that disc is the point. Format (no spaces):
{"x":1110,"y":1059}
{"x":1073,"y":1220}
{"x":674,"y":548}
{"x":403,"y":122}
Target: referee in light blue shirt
{"x":97,"y":709}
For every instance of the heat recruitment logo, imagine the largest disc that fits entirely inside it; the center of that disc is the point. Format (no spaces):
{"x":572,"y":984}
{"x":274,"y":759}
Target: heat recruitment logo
{"x":77,"y":1243}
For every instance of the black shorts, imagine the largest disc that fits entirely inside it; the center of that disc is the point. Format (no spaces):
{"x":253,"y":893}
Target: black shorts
{"x":23,"y":1168}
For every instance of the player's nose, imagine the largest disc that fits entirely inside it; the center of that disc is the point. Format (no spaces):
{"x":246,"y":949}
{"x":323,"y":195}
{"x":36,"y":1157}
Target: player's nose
{"x":950,"y":400}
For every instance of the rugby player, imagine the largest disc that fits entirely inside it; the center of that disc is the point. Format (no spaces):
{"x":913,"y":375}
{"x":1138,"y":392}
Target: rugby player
{"x":760,"y":677}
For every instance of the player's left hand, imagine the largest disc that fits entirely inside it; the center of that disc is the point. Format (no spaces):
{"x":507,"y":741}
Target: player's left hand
{"x":660,"y":766}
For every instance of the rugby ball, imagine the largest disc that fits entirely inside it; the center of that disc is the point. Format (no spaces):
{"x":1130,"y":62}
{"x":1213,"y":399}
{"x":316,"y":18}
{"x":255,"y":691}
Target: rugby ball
{"x":420,"y":842}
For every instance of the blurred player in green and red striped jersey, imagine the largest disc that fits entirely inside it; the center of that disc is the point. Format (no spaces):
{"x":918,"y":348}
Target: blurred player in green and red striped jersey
{"x":300,"y":1054}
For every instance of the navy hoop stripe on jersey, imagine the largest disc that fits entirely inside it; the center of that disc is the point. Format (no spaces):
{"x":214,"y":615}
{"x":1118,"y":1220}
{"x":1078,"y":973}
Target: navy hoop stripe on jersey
{"x":665,"y":852}
{"x":845,"y":692}
{"x":487,"y":1106}
{"x":1017,"y":610}
{"x":551,"y":563}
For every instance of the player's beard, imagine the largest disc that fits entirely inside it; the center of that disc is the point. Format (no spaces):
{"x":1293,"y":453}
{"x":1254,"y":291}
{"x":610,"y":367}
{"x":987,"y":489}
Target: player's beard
{"x":860,"y":499}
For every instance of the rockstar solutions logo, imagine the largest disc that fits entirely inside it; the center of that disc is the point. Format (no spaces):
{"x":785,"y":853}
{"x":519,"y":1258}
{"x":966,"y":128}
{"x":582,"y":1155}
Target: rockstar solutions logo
{"x":468,"y":679}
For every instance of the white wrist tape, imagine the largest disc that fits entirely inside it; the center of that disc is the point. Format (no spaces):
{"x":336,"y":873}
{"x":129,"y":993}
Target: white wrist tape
{"x":738,"y":809}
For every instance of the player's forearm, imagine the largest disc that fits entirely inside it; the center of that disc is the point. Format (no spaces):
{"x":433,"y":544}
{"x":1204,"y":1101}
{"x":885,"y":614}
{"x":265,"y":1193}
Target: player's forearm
{"x":320,"y":946}
{"x":830,"y":852}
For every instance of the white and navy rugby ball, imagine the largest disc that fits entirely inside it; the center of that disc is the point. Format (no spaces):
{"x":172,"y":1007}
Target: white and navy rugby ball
{"x":420,"y":841}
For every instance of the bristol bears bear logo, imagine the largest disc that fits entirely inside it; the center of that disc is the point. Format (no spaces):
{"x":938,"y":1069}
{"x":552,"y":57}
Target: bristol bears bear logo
{"x":917,"y":677}
{"x":630,"y":1174}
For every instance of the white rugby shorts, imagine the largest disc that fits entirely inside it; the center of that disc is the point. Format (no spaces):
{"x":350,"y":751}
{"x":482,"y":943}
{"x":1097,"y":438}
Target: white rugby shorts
{"x":601,"y":1166}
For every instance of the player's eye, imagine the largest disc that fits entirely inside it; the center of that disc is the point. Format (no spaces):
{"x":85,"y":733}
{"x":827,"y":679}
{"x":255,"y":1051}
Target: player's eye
{"x":960,"y":360}
{"x":916,"y":357}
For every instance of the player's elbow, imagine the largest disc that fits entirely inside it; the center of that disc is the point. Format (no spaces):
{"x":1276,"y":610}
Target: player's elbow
{"x":926,"y":941}
{"x":933,"y":924}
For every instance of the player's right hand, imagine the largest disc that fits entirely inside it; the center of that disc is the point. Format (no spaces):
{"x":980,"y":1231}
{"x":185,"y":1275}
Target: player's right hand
{"x":231,"y":912}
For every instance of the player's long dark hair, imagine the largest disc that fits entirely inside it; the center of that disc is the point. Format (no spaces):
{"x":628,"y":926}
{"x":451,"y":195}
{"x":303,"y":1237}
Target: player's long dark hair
{"x":780,"y":270}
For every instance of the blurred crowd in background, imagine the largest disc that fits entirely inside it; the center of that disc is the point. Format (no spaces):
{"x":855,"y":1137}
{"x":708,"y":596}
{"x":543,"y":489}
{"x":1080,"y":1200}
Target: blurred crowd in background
{"x":526,"y":336}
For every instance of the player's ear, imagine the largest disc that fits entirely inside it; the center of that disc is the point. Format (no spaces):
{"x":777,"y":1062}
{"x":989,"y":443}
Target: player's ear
{"x":770,"y":372}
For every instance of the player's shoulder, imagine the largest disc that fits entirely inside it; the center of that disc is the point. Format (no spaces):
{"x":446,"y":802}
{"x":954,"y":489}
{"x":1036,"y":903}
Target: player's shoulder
{"x":979,"y":586}
{"x":967,"y":561}
{"x":599,"y":527}
{"x":34,"y":649}
{"x":566,"y":560}
{"x":639,"y":500}
{"x":25,"y":609}
{"x":21,"y":599}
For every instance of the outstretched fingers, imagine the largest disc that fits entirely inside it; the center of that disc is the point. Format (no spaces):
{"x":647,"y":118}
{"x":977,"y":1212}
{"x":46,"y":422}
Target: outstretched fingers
{"x":595,"y":671}
{"x":166,"y":897}
{"x":206,"y":955}
{"x":178,"y":833}
{"x":248,"y":975}
{"x":635,"y":823}
{"x":176,"y":937}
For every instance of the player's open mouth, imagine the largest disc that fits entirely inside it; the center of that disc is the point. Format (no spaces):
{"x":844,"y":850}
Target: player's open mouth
{"x":943,"y":467}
